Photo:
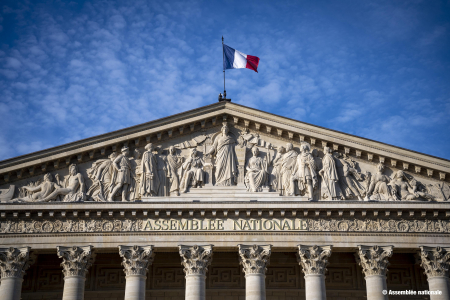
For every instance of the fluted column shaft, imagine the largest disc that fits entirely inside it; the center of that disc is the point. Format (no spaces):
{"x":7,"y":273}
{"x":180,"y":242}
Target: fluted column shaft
{"x":136,"y":260}
{"x":314,"y":260}
{"x":13,"y":263}
{"x":195,"y":260}
{"x":436,"y":263}
{"x":254,"y":260}
{"x":374,"y":261}
{"x":76,"y":262}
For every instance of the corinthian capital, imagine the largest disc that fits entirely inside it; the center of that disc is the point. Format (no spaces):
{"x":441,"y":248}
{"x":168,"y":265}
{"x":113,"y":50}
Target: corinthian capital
{"x":314,"y":259}
{"x":136,"y":259}
{"x":374,"y":259}
{"x":435,"y":261}
{"x":76,"y":260}
{"x":196,"y":259}
{"x":15,"y":261}
{"x":254,"y":258}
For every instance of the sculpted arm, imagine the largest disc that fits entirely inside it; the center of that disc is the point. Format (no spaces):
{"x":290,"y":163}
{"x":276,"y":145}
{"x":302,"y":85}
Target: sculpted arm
{"x":33,"y":189}
{"x":116,"y":161}
{"x":82,"y":184}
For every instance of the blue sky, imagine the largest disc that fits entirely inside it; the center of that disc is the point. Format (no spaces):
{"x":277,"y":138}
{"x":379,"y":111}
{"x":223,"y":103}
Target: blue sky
{"x":376,"y":69}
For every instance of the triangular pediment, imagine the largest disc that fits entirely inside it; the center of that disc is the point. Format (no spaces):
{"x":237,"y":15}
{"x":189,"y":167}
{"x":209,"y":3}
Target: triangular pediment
{"x":199,"y":128}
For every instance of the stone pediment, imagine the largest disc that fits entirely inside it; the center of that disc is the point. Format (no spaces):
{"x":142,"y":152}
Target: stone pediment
{"x":355,"y":167}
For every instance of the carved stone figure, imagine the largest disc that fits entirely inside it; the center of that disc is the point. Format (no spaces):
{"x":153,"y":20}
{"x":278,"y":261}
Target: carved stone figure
{"x":41,"y":191}
{"x":162,"y":173}
{"x":193,"y":170}
{"x":304,"y":172}
{"x":72,"y":188}
{"x":330,"y":178}
{"x":405,"y":189}
{"x":276,"y":176}
{"x":288,"y":162}
{"x":101,"y":174}
{"x":122,"y":177}
{"x":439,"y":190}
{"x":349,"y":177}
{"x":7,"y":194}
{"x":174,"y":163}
{"x":379,"y":188}
{"x":256,"y":176}
{"x":226,"y":161}
{"x":149,"y":179}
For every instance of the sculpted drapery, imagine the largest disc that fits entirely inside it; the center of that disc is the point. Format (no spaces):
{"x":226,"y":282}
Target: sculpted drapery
{"x":149,"y":177}
{"x":226,"y":160}
{"x":256,"y":176}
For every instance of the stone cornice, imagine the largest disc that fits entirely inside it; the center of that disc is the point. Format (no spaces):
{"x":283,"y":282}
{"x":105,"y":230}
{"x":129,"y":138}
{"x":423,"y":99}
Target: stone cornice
{"x":284,"y":128}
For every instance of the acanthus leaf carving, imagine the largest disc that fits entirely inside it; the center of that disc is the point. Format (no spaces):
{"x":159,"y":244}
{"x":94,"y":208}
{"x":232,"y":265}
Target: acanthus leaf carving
{"x":254,"y":258}
{"x":374,"y":259}
{"x":196,"y":259}
{"x":435,"y":261}
{"x":313,"y":259}
{"x":15,"y":261}
{"x":76,"y":260}
{"x":136,"y":259}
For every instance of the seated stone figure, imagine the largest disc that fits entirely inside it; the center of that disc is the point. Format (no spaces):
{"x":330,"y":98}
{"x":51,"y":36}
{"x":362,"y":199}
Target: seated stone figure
{"x":37,"y":193}
{"x":73,"y":188}
{"x":256,"y":176}
{"x":379,"y":188}
{"x":193,"y":167}
{"x":405,"y":189}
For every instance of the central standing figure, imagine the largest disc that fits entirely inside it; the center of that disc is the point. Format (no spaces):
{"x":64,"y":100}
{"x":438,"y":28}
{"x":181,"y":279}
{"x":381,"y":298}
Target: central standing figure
{"x":226,"y":160}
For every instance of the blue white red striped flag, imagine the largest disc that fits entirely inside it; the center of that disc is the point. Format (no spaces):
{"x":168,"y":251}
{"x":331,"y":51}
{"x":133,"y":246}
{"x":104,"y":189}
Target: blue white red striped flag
{"x":234,"y":59}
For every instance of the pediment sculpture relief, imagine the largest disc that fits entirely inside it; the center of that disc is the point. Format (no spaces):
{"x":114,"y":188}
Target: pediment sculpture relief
{"x":231,"y":157}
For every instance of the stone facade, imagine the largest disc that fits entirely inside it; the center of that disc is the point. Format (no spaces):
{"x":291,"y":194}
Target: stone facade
{"x":216,"y":203}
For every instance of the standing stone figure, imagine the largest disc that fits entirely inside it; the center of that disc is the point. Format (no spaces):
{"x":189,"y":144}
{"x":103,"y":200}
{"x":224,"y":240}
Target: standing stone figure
{"x":349,"y":177}
{"x":162,"y":173}
{"x":174,"y":164}
{"x":193,"y":167}
{"x":288,"y":162}
{"x":330,"y":178}
{"x":379,"y":186}
{"x":257,"y":173}
{"x":73,"y":187}
{"x":226,"y":161}
{"x":149,"y":179}
{"x":276,"y":176}
{"x":304,"y":172}
{"x":122,"y":178}
{"x":101,"y":174}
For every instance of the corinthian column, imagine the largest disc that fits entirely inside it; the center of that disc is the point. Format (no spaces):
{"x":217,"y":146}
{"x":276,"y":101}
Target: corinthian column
{"x":436,"y":262}
{"x":314,"y":260}
{"x":13,"y":264}
{"x":76,"y":262}
{"x":136,"y":260}
{"x":195,"y":260}
{"x":254,"y":260}
{"x":374,"y":261}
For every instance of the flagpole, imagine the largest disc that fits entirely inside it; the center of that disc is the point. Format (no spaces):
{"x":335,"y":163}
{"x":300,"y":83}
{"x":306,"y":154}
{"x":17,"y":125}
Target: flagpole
{"x":223,"y":59}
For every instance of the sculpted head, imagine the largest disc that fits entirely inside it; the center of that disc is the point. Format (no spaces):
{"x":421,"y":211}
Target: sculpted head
{"x":282,"y":150}
{"x":194,"y":152}
{"x":400,"y":174}
{"x":172,"y":150}
{"x":112,"y":156}
{"x":149,"y":147}
{"x":48,"y":177}
{"x":326,"y":150}
{"x":304,"y":148}
{"x":73,"y":169}
{"x":225,"y":129}
{"x":255,"y":151}
{"x":289,"y":147}
{"x":380,"y":167}
{"x":125,"y":151}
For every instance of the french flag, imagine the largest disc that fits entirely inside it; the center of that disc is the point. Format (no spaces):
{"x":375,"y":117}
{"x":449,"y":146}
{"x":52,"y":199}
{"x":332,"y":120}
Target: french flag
{"x":234,"y":59}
